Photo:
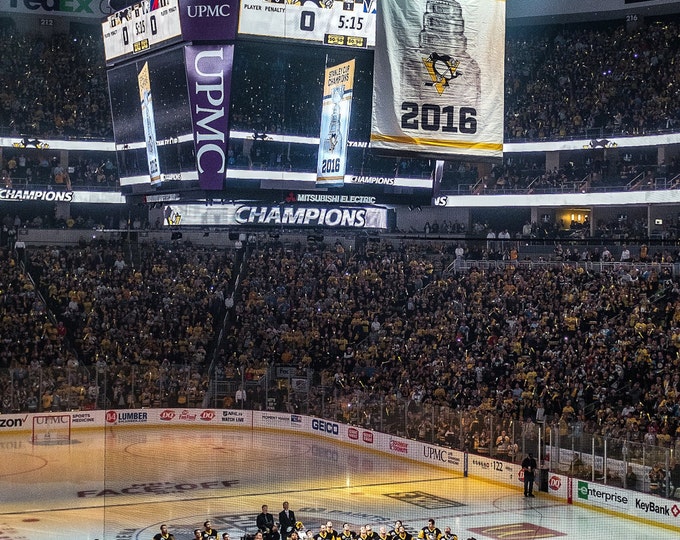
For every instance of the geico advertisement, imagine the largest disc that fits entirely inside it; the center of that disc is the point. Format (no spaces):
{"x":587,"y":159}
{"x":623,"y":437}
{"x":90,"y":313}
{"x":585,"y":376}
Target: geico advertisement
{"x":253,"y":215}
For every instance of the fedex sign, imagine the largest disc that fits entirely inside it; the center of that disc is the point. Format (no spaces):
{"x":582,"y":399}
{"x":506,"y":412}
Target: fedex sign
{"x":57,"y":7}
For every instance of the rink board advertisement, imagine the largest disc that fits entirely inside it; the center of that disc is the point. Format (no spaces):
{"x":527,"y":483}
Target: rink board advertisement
{"x":335,"y":115}
{"x":349,"y":23}
{"x":439,"y":77}
{"x":623,"y":503}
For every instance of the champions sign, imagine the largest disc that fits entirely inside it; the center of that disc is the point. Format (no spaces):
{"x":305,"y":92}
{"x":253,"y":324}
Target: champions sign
{"x":438,"y":77}
{"x":255,"y":215}
{"x":335,"y":114}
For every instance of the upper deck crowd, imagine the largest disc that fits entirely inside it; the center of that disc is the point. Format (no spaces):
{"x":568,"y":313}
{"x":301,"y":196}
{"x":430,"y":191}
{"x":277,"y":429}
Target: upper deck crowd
{"x":585,"y":81}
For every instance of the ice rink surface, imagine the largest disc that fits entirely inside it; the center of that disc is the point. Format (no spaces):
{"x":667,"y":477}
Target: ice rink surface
{"x":122,"y":483}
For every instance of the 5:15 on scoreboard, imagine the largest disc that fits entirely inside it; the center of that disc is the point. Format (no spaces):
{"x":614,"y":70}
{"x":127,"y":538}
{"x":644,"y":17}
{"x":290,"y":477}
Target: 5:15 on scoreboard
{"x":140,"y":28}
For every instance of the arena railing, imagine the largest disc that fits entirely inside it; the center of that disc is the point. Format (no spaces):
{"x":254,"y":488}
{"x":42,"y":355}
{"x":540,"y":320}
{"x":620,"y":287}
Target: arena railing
{"x":562,"y":447}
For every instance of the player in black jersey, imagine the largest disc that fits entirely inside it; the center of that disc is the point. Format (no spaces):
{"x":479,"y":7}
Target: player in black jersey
{"x":430,"y":531}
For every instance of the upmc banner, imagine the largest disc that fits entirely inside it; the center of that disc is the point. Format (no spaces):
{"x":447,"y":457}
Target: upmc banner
{"x":438,"y":79}
{"x":209,"y":82}
{"x":335,"y":115}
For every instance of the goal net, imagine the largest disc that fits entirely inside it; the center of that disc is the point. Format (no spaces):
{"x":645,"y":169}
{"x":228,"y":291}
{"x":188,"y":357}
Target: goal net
{"x":51,"y":429}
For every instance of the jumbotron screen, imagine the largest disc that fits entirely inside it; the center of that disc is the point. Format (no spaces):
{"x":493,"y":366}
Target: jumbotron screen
{"x":299,"y":122}
{"x":151,"y":119}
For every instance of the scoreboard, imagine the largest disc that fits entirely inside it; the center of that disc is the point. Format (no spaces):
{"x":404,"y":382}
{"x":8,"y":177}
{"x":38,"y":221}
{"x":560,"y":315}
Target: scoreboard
{"x":194,"y":106}
{"x":152,"y":24}
{"x":331,"y":22}
{"x":141,"y":27}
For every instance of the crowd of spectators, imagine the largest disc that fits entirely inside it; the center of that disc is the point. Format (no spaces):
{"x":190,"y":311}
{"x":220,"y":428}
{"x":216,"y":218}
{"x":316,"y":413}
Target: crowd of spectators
{"x":26,"y":169}
{"x":378,"y":325}
{"x":38,"y":368}
{"x":589,"y":80}
{"x":136,"y":332}
{"x":597,"y":350}
{"x":584,"y":352}
{"x":63,"y":91}
{"x":603,"y":79}
{"x":465,"y":339}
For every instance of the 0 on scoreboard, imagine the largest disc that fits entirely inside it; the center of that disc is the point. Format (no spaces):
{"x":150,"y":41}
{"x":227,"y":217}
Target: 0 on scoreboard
{"x":140,"y":28}
{"x":349,"y":23}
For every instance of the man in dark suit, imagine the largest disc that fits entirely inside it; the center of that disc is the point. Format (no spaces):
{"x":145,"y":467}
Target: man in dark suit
{"x":265,"y":522}
{"x":287,"y":521}
{"x":529,"y":467}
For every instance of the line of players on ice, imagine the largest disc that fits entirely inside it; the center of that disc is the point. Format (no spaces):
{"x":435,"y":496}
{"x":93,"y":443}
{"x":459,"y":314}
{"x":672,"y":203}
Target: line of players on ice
{"x":297,"y":531}
{"x":366,"y":532}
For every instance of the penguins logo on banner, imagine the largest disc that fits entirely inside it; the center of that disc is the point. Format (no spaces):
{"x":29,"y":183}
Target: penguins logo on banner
{"x":438,"y":77}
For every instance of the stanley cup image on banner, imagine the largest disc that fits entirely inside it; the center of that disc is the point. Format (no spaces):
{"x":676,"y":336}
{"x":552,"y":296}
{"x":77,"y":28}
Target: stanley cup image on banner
{"x":438,"y":80}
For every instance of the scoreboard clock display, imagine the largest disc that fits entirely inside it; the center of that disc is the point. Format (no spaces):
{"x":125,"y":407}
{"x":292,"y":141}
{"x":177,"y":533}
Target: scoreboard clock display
{"x":140,"y":28}
{"x":332,"y":22}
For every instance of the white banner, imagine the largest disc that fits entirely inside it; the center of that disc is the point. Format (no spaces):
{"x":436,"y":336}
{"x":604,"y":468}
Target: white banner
{"x":335,"y":115}
{"x":438,"y":78}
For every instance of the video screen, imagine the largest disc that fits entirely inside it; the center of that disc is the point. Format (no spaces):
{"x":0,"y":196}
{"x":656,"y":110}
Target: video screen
{"x":277,"y":110}
{"x":280,"y":98}
{"x":151,"y":120}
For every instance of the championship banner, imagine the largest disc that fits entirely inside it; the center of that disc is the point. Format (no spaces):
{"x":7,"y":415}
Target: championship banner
{"x":259,"y":215}
{"x":335,"y":114}
{"x":439,"y":76}
{"x":148,"y":120}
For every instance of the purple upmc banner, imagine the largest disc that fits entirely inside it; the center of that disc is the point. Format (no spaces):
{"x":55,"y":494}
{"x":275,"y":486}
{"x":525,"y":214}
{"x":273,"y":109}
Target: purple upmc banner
{"x":209,"y":81}
{"x":209,"y":20}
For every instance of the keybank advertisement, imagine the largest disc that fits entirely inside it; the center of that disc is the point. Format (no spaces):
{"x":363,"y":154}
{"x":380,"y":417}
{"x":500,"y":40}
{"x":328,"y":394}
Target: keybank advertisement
{"x":627,"y":503}
{"x":624,"y":503}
